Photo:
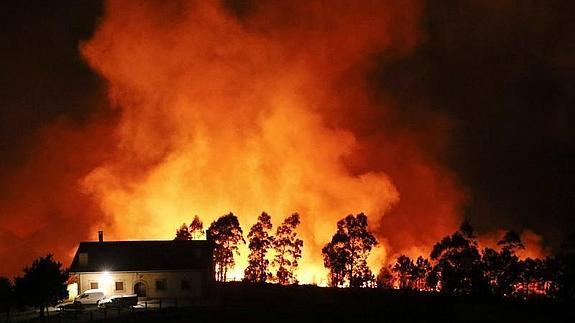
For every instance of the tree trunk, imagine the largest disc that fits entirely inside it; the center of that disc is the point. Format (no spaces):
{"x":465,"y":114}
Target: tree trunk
{"x":351,"y":282}
{"x":262,"y":277}
{"x":281,"y":265}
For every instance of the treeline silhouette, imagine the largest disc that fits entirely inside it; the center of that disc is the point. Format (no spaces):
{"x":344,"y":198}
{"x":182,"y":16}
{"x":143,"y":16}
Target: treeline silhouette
{"x":227,"y":235}
{"x":42,"y":284}
{"x":455,"y":266}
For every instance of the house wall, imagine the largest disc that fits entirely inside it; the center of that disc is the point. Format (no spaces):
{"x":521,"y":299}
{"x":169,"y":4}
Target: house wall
{"x":172,"y":282}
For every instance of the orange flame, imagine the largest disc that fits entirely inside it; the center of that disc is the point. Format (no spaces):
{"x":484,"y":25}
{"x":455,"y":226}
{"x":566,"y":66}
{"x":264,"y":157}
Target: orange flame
{"x":249,"y":107}
{"x":223,"y":113}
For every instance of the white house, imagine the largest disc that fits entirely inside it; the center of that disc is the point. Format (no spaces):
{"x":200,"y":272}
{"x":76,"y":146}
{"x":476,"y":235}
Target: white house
{"x":151,"y":269}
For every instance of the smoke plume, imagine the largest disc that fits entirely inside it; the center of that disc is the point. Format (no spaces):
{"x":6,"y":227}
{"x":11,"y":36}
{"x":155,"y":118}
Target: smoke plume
{"x":244,"y":107}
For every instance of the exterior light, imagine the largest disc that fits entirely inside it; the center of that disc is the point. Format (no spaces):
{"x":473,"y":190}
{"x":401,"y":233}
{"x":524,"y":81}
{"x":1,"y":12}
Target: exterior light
{"x":106,"y":279}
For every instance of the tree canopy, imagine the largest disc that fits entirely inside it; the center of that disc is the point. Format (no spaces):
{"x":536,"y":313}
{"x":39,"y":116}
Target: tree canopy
{"x":385,"y":277}
{"x":346,"y":254}
{"x":43,"y":283}
{"x":183,"y":233}
{"x":197,"y":229}
{"x":403,"y":268}
{"x":287,"y":246}
{"x":226,"y":235}
{"x":502,"y":269}
{"x":459,"y":263}
{"x":193,"y":232}
{"x":455,"y":264}
{"x":260,"y":241}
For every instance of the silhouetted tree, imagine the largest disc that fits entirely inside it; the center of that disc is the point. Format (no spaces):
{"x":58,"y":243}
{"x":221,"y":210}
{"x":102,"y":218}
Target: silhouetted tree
{"x":432,"y":279}
{"x":6,"y":295}
{"x":458,"y":263}
{"x":510,"y":242}
{"x":421,"y":270}
{"x":183,"y":233}
{"x":493,"y":269}
{"x":548,"y":273}
{"x":226,"y":235}
{"x":529,"y":275}
{"x":43,"y":283}
{"x":537,"y":277}
{"x":364,"y":276}
{"x":403,"y":268}
{"x":502,"y":269}
{"x":197,"y":229}
{"x":260,"y":241}
{"x":385,"y":278}
{"x":467,"y":230}
{"x":348,"y":251}
{"x":565,"y":269}
{"x":288,"y":247}
{"x":336,"y":255}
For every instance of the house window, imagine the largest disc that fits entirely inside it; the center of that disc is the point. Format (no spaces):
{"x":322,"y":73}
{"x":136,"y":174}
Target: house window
{"x":119,"y":285}
{"x":161,"y":284}
{"x":185,"y":285}
{"x":93,"y":285}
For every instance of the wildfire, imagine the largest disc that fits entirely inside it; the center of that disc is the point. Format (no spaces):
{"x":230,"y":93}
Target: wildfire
{"x":228,"y":107}
{"x":221,"y":112}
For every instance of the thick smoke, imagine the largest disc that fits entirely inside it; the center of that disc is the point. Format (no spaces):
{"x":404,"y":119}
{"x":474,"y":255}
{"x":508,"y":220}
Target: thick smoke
{"x":245,"y":108}
{"x":269,"y":109}
{"x":43,"y":208}
{"x":532,"y":243}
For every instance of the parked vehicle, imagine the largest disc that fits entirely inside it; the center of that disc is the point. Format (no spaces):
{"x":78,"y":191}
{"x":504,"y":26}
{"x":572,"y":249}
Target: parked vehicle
{"x":69,"y":306}
{"x":117,"y":301}
{"x":90,"y":296}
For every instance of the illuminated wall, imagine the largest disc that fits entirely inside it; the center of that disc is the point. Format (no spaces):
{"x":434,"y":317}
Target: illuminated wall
{"x":165,"y":284}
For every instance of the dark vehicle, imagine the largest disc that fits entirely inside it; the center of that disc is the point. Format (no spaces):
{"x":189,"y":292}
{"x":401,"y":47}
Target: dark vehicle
{"x":70,"y":307}
{"x":119,"y":301}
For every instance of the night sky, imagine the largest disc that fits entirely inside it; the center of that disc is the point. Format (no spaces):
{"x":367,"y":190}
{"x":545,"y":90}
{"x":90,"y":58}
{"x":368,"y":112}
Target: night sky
{"x":503,"y":72}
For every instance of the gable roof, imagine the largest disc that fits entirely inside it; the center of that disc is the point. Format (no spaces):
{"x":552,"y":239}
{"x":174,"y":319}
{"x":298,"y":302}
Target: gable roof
{"x":147,"y":255}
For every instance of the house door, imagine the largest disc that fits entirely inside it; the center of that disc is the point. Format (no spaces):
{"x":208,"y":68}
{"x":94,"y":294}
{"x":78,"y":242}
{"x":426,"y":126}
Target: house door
{"x":140,"y":289}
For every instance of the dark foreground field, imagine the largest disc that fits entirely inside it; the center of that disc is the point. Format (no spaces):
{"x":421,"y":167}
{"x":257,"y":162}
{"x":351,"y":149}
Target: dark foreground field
{"x":235,"y":302}
{"x":271,"y":303}
{"x":274,"y":303}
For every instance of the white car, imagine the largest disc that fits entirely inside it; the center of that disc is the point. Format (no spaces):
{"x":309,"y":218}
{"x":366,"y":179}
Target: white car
{"x":90,"y":296}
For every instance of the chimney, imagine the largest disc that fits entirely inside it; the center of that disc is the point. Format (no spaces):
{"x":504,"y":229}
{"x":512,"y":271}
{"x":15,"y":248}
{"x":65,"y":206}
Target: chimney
{"x":100,"y":236}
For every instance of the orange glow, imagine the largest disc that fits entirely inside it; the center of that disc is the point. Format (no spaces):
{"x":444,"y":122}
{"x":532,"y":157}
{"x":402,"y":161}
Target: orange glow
{"x":220,"y":114}
{"x":531,"y":241}
{"x":215,"y":111}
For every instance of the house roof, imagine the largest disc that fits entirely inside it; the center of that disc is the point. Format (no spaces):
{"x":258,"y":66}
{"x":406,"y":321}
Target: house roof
{"x":142,"y":256}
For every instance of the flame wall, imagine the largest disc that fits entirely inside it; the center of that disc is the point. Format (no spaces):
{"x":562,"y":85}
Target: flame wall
{"x":250,"y":107}
{"x":224,"y":111}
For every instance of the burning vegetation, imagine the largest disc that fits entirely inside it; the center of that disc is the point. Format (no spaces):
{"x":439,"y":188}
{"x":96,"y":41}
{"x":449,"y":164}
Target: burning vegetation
{"x":270,"y":110}
{"x":456,"y":264}
{"x":456,"y":269}
{"x":222,"y":105}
